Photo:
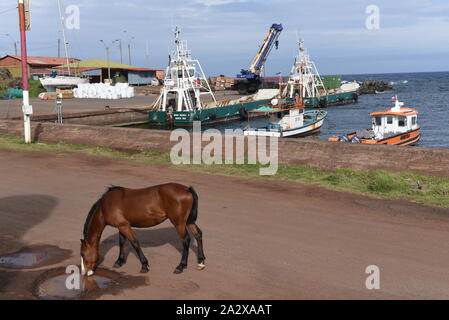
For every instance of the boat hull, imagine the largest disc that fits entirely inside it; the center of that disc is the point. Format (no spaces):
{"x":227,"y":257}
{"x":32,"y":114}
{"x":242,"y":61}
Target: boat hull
{"x":50,"y":84}
{"x":309,"y":129}
{"x":404,"y":139}
{"x":206,"y":116}
{"x":408,"y":138}
{"x":329,"y":100}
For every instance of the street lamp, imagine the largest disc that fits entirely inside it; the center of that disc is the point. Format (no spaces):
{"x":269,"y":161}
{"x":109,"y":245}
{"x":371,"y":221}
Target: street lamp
{"x":107,"y":58}
{"x":129,"y":50}
{"x":148,"y":53}
{"x":120,"y":46}
{"x":129,"y":46}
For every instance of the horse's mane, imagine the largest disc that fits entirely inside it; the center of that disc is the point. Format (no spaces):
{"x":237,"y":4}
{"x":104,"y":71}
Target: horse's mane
{"x":95,"y":208}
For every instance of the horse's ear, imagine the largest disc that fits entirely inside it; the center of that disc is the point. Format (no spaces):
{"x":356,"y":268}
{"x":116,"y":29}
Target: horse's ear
{"x":82,"y":241}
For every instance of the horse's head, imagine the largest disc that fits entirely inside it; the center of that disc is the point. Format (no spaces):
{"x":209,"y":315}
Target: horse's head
{"x":89,"y":258}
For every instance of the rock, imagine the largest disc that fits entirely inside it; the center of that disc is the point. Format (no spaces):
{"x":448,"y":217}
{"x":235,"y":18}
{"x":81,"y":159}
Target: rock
{"x":374,"y":86}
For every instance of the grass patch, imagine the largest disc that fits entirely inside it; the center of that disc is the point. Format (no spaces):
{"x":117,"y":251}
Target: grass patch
{"x":35,"y":87}
{"x":17,"y":144}
{"x":379,"y":183}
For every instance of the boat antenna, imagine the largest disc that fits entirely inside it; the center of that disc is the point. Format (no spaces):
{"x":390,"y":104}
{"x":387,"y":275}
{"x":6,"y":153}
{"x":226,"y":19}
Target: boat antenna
{"x":299,"y":39}
{"x":177,"y":33}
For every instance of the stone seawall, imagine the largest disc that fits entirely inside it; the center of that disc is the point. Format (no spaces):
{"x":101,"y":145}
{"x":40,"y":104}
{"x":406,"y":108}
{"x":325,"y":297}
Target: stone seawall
{"x":320,"y":154}
{"x":97,"y":118}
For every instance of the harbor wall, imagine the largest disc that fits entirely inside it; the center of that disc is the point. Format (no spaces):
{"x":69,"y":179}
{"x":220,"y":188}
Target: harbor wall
{"x":320,"y":154}
{"x":97,"y":118}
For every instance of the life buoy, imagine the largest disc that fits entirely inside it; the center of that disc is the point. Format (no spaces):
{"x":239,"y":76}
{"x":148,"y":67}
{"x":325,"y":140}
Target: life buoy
{"x":343,"y":139}
{"x":355,"y":139}
{"x":243,"y":113}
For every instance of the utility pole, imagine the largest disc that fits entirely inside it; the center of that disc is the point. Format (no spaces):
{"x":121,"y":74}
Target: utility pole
{"x":26,"y":107}
{"x":120,"y":47}
{"x":109,"y":64}
{"x":107,"y":57}
{"x":148,"y":53}
{"x":14,"y":42}
{"x":129,"y":50}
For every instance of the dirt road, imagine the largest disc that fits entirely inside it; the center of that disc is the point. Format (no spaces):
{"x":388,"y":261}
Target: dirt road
{"x":262,"y":239}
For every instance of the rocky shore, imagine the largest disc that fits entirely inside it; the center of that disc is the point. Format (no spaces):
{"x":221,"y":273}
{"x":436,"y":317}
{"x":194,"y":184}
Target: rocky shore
{"x":374,"y":86}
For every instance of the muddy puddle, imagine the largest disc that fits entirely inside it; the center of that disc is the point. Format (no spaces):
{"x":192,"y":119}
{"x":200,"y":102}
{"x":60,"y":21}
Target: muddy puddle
{"x":34,"y":257}
{"x":56,"y":284}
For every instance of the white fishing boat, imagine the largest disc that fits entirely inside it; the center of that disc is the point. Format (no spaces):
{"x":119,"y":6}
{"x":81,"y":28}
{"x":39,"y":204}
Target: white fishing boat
{"x":288,"y":120}
{"x":317,"y":91}
{"x":185,"y":89}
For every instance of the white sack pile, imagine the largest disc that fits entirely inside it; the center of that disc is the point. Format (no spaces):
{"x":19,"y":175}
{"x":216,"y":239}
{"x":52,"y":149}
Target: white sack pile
{"x":103,"y":91}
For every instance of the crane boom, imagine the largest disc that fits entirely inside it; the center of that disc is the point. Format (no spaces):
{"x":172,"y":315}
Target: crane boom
{"x":250,"y":80}
{"x":265,"y":49}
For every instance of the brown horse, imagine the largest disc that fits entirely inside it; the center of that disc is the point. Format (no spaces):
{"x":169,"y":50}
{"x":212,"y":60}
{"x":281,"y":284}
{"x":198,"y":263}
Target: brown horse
{"x":141,"y":208}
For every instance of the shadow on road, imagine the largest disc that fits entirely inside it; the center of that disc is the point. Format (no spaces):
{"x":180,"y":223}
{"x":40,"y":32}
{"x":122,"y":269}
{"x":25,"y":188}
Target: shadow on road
{"x":149,"y":238}
{"x":18,"y":214}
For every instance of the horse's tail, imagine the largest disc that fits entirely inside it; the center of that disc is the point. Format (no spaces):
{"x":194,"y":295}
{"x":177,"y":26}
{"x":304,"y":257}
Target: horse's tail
{"x":194,"y":211}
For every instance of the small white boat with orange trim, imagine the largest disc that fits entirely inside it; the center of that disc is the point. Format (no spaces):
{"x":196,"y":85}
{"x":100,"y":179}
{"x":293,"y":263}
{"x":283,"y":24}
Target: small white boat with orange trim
{"x":396,"y":126}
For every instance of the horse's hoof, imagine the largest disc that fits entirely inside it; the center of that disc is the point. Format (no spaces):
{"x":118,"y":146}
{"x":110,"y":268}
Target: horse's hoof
{"x":145,"y":269}
{"x":179,"y":269}
{"x":200,"y":266}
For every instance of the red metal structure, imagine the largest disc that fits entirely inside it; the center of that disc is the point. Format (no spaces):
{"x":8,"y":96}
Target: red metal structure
{"x":27,"y":109}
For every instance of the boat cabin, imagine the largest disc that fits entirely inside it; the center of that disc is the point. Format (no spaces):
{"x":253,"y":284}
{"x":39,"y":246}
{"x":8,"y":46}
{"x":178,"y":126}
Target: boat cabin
{"x":286,"y":120}
{"x":396,"y":121}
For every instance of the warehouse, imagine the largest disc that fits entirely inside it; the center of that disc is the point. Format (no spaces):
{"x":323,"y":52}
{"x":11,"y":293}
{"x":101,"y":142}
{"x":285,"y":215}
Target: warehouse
{"x":99,"y":70}
{"x":37,"y":66}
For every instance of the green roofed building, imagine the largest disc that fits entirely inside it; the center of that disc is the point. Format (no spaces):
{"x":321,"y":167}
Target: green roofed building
{"x":98,"y":70}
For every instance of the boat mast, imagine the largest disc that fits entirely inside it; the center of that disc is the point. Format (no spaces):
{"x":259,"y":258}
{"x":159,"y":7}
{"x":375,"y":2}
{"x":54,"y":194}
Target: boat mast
{"x":305,"y":75}
{"x":61,"y":18}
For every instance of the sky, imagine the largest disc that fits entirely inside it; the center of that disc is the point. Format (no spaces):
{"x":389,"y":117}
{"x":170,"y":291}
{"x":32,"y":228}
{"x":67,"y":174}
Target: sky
{"x":412,"y":35}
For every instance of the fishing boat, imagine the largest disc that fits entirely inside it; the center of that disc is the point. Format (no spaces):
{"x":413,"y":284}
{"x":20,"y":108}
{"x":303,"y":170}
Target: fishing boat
{"x":287,"y":120}
{"x":318,"y":91}
{"x":185,"y":89}
{"x":395,"y":126}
